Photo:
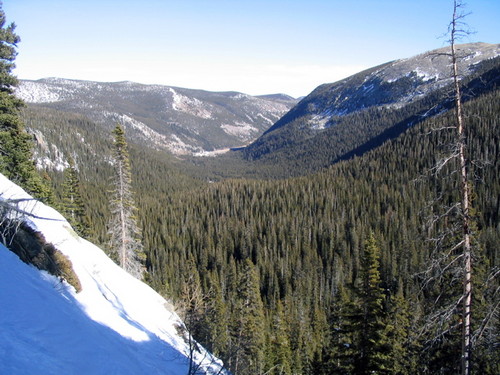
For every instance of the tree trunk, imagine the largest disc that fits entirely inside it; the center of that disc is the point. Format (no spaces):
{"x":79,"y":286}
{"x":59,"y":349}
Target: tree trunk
{"x":466,"y":250}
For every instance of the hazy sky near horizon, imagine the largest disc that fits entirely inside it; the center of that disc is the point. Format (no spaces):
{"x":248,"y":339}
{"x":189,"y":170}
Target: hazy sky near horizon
{"x":252,"y":46}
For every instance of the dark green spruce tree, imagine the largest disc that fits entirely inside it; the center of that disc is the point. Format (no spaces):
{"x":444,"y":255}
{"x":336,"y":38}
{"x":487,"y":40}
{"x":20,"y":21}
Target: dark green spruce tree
{"x":216,"y":320}
{"x":72,"y":206}
{"x":373,"y":345}
{"x":248,"y":337}
{"x":16,"y":158}
{"x":340,"y":352}
{"x":279,"y":352}
{"x":402,"y":358}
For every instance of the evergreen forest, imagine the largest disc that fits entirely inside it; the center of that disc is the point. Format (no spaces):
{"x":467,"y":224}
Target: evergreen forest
{"x":343,"y":261}
{"x":323,"y":273}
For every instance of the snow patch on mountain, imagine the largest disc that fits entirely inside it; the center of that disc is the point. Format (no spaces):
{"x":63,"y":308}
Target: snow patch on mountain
{"x":157,"y":138}
{"x":178,"y":147}
{"x":56,"y":161}
{"x":191,"y":106}
{"x":435,"y":65}
{"x":270,"y":121}
{"x":32,"y":92}
{"x":318,"y":122}
{"x":172,"y":143}
{"x":240,"y":129}
{"x":212,"y":153}
{"x":239,"y":96}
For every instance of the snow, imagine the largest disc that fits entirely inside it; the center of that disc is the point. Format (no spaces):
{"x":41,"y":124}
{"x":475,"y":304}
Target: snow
{"x":191,"y":106}
{"x":239,"y":129}
{"x":213,"y":153}
{"x":56,"y":161}
{"x":178,"y":147}
{"x":115,"y":325}
{"x":34,"y":92}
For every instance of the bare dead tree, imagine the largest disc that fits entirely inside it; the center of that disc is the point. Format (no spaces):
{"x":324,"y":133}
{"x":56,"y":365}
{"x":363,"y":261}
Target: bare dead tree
{"x":451,"y":263}
{"x":13,"y":214}
{"x":455,"y":31}
{"x":192,"y":308}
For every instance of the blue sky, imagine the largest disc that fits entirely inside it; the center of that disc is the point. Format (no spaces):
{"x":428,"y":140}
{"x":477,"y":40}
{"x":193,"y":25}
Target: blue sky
{"x":254,"y":46}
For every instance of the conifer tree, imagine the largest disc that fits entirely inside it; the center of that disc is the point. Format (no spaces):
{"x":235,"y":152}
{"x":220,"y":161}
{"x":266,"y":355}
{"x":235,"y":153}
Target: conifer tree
{"x":248,"y":334}
{"x":72,"y":203}
{"x":340,"y":353}
{"x":401,"y":359}
{"x":192,"y":308}
{"x":15,"y":143}
{"x":216,"y":321}
{"x":124,"y":232}
{"x":373,"y":342}
{"x":279,"y":350}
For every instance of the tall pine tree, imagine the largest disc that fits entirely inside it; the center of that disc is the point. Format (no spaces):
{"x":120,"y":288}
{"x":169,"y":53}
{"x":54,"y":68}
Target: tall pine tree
{"x":124,"y":232}
{"x":248,"y":338}
{"x":15,"y":143}
{"x":279,"y":351}
{"x":373,"y":342}
{"x":340,"y":353}
{"x":72,"y":203}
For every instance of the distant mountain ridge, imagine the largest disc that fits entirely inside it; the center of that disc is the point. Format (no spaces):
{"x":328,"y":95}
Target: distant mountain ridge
{"x":334,"y":122}
{"x":183,"y":121}
{"x":353,"y":107}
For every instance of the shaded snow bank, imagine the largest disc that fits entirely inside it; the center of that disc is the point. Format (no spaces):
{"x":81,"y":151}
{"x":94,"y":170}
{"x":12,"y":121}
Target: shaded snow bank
{"x":116,"y":325}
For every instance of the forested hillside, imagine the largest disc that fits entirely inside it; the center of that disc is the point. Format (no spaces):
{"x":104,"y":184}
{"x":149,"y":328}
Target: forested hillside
{"x":176,"y":120}
{"x":296,"y":247}
{"x":336,"y":243}
{"x":338,"y":121}
{"x":305,"y":238}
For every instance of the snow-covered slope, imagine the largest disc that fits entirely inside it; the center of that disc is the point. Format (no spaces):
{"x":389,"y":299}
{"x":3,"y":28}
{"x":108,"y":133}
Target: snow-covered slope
{"x":360,"y":111}
{"x":115,"y":325}
{"x":391,"y":85}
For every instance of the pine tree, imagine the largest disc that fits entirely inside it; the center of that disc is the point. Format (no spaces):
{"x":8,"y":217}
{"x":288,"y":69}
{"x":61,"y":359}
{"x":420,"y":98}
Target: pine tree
{"x":279,"y":350}
{"x":373,"y":342}
{"x":340,"y":353}
{"x":248,"y":333}
{"x":401,"y":359}
{"x":15,"y":143}
{"x":124,"y":232}
{"x":72,"y":203}
{"x":216,"y":321}
{"x":192,"y":308}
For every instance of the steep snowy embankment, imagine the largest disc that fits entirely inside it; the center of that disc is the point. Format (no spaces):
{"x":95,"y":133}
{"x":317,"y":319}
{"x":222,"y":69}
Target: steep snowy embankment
{"x":115,"y":325}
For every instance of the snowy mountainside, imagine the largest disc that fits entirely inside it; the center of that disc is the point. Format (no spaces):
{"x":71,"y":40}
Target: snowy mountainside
{"x":115,"y":325}
{"x":183,"y":121}
{"x":391,"y":85}
{"x":407,"y":90}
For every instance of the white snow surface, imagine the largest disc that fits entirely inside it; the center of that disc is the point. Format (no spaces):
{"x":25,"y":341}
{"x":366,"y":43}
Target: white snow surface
{"x":191,"y":106}
{"x":240,"y":129}
{"x":115,"y":325}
